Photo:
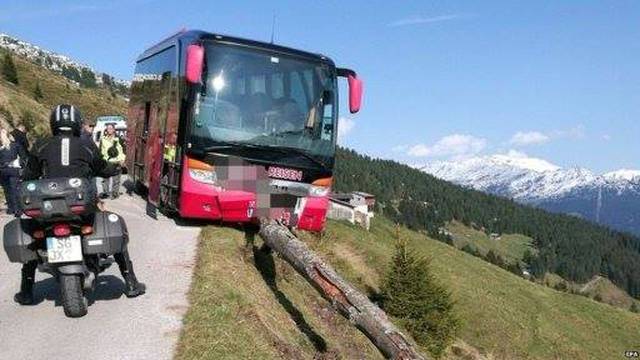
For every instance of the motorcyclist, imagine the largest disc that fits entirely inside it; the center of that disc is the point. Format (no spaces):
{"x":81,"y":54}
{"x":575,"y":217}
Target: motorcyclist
{"x":65,"y":154}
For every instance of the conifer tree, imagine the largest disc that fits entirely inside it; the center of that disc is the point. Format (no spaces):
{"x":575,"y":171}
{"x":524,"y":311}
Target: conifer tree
{"x":9,"y":71}
{"x":411,"y":294}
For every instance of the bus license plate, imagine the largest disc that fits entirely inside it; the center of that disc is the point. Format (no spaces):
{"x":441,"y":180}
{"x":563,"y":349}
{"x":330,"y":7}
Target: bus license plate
{"x":64,"y":249}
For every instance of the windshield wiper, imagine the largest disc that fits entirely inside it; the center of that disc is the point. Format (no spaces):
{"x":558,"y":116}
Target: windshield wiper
{"x":226,"y":145}
{"x":280,"y":149}
{"x":301,"y":152}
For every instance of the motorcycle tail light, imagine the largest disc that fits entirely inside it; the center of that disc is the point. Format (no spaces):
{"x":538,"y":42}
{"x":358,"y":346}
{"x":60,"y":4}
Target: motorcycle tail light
{"x":33,"y":212}
{"x":38,"y":234}
{"x":86,"y":229}
{"x":77,"y":209}
{"x":61,"y":230}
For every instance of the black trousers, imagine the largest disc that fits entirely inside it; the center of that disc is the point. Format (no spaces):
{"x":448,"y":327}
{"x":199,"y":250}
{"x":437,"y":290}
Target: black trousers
{"x":122,"y":259}
{"x":9,"y":179}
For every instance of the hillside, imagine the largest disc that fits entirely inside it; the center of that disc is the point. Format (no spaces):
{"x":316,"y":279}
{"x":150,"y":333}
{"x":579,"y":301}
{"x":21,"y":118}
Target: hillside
{"x":18,"y":103}
{"x":79,"y":74}
{"x":234,"y":302}
{"x":571,"y":247}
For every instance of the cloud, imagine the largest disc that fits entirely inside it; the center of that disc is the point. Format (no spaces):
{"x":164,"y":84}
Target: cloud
{"x":345,"y":126}
{"x":529,"y":138}
{"x":606,"y":137}
{"x":418,"y":20}
{"x":455,"y":146}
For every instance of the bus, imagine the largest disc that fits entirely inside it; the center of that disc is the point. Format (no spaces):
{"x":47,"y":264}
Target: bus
{"x":234,"y":130}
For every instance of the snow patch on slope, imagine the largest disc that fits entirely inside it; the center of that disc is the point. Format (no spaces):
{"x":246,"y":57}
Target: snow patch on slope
{"x":516,"y":175}
{"x":48,"y":59}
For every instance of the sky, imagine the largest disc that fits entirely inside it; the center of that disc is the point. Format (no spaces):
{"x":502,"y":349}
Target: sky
{"x":558,"y":80}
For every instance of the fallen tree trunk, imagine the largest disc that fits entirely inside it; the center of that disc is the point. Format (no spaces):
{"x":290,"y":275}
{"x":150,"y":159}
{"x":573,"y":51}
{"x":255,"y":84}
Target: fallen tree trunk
{"x":349,"y":302}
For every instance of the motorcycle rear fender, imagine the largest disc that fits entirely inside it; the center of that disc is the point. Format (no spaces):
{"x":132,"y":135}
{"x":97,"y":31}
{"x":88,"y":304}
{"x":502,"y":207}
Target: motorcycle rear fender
{"x":71,"y":269}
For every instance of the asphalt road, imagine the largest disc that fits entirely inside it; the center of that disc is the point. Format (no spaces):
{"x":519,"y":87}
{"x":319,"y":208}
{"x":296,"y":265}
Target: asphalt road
{"x":116,"y":327}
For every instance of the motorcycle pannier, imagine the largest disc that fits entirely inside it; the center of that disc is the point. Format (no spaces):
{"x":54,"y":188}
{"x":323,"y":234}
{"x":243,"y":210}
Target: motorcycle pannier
{"x":17,"y":241}
{"x":109,"y":234}
{"x":51,"y":199}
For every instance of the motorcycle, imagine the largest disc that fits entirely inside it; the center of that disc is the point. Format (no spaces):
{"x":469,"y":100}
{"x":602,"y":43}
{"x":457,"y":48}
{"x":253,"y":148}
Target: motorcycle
{"x":67,"y":235}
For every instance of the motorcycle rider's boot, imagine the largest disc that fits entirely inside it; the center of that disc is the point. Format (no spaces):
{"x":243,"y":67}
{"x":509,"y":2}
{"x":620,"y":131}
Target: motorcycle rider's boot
{"x":25,"y":296}
{"x":133,"y":287}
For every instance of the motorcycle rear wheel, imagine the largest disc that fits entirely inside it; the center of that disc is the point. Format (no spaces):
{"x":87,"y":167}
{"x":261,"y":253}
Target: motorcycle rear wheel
{"x":74,"y":302}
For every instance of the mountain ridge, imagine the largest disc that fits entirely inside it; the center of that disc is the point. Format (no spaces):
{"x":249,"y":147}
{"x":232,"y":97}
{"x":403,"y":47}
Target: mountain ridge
{"x":610,"y":198}
{"x":58,"y":63}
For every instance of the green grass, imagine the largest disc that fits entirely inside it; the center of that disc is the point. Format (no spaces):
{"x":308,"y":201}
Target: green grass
{"x":248,"y":304}
{"x":510,"y":246}
{"x":503,"y":314}
{"x":236,"y":314}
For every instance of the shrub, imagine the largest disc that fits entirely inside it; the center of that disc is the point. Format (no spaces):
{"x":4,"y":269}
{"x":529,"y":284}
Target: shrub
{"x":37,"y":92}
{"x":9,"y":71}
{"x":561,"y":286}
{"x":6,"y":113}
{"x":424,"y":307}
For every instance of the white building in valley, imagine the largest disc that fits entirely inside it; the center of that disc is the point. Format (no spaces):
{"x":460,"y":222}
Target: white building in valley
{"x":355,"y":207}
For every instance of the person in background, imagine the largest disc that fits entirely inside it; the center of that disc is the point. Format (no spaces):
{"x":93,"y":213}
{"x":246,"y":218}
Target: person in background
{"x":10,"y":165}
{"x":112,"y":150}
{"x":87,"y":131}
{"x":19,"y":134}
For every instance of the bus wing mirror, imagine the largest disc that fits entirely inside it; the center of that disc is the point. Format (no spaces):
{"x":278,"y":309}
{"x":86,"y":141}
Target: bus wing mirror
{"x":195,"y":60}
{"x":355,"y":89}
{"x":355,"y":93}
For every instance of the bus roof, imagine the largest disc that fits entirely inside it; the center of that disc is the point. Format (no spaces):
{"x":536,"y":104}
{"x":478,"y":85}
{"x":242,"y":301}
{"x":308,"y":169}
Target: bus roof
{"x":195,"y":35}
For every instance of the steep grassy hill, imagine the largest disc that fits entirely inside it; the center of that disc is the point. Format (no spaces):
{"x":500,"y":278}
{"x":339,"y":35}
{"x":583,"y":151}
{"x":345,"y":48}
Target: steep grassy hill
{"x":267,"y":311}
{"x":18,"y":102}
{"x":571,"y":247}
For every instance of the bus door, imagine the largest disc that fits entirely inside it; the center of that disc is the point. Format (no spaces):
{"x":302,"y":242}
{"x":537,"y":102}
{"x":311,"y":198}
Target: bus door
{"x":141,"y":135}
{"x":157,"y":146}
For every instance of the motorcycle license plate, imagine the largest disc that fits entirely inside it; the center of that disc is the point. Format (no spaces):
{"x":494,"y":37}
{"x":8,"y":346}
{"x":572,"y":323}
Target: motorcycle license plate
{"x":64,"y":249}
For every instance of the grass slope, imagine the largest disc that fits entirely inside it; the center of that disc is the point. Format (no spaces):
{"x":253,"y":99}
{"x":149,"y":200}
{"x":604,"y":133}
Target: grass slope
{"x":248,"y":304}
{"x":511,"y":247}
{"x":235,"y":313}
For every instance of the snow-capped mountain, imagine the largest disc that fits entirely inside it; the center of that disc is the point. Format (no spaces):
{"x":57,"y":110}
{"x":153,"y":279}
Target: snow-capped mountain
{"x":52,"y":61}
{"x":612,"y":198}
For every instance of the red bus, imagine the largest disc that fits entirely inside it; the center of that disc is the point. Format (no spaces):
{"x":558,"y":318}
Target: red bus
{"x":230,"y":129}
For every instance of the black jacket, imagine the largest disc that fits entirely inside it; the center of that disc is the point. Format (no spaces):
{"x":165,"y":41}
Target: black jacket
{"x":65,"y":155}
{"x":20,"y":138}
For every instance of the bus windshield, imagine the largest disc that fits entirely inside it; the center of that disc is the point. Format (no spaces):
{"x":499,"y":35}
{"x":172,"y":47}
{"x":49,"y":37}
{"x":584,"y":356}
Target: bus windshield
{"x":264,"y":99}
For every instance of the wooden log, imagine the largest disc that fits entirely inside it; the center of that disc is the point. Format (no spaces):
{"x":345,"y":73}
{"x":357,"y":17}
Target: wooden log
{"x":346,"y":299}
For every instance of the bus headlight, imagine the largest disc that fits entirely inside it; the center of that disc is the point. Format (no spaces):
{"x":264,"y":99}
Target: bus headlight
{"x":318,"y":191}
{"x":204,"y":176}
{"x":202,"y":172}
